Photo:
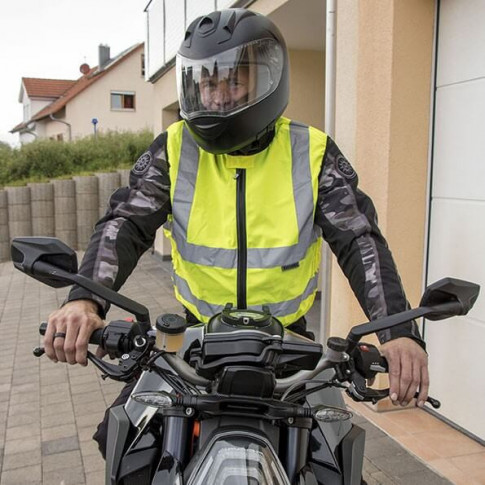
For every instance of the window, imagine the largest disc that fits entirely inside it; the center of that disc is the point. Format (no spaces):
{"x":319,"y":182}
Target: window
{"x":123,"y":101}
{"x":143,"y":65}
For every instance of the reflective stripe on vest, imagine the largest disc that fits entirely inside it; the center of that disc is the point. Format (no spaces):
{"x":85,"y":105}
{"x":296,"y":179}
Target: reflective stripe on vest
{"x":257,"y":257}
{"x":282,"y":261}
{"x":277,"y":309}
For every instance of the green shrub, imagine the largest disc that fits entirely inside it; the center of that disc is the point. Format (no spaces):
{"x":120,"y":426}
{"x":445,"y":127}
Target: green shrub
{"x":46,"y":159}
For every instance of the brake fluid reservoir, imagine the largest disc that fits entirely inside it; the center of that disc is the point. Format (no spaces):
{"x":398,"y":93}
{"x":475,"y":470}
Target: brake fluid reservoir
{"x":170,"y":332}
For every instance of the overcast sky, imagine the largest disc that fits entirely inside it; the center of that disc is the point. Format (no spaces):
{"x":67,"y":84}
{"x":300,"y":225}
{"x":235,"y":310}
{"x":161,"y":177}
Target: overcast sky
{"x":52,"y":38}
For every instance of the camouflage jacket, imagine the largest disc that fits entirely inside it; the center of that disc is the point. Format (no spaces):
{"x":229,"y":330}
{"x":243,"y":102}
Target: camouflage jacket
{"x":345,"y":214}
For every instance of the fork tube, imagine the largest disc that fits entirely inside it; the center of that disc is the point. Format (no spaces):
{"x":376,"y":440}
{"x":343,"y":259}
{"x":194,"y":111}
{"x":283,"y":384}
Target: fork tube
{"x":295,"y":450}
{"x":176,"y":438}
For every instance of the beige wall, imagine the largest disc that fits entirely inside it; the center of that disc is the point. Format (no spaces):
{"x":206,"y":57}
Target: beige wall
{"x":164,"y":96}
{"x":94,"y":102}
{"x":384,"y":61}
{"x":307,"y":80}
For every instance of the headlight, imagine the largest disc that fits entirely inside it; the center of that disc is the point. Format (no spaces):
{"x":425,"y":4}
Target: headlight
{"x":238,"y":460}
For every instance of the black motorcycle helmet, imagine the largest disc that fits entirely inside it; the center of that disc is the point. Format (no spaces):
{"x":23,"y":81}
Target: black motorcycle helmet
{"x":232,"y":79}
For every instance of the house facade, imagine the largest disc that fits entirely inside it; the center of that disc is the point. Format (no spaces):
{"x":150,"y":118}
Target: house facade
{"x":404,"y":84}
{"x":113,"y":96}
{"x":35,"y":95}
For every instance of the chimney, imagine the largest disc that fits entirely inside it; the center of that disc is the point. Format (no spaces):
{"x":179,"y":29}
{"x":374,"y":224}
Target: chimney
{"x":103,"y":55}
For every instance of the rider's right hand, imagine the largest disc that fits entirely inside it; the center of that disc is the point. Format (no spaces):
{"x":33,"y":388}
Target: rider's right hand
{"x":77,"y":320}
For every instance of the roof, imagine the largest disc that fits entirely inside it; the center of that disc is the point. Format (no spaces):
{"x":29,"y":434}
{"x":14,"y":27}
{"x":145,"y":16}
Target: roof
{"x":20,"y":126}
{"x":83,"y":82}
{"x":46,"y":88}
{"x":76,"y":87}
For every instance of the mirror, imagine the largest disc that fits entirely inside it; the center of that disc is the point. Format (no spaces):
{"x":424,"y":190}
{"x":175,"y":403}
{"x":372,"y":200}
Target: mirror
{"x":460,"y":295}
{"x":53,"y":263}
{"x":26,"y":251}
{"x":446,"y":298}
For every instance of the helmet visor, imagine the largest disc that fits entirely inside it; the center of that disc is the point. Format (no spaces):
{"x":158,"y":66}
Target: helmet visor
{"x":229,"y":81}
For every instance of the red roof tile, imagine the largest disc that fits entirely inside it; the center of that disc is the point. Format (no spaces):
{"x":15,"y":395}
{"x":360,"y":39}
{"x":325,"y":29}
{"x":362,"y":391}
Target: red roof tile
{"x":46,"y":88}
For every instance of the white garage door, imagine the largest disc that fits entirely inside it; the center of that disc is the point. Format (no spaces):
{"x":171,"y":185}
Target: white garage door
{"x":457,"y":220}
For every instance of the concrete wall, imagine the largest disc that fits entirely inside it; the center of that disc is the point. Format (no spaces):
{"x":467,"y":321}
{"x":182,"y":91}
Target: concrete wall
{"x":66,"y":209}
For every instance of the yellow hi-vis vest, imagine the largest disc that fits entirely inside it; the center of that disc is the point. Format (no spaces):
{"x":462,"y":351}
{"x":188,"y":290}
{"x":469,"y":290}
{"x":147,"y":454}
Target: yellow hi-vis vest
{"x":273,"y":216}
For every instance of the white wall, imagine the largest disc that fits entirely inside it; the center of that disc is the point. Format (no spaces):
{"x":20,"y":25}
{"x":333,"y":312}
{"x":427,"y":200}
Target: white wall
{"x":167,"y":21}
{"x":457,"y":221}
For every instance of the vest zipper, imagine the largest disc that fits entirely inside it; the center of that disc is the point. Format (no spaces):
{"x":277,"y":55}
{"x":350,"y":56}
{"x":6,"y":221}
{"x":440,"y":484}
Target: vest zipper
{"x":242,"y":249}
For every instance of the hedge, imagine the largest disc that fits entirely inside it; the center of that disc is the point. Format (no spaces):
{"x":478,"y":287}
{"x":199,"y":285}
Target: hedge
{"x":46,"y":159}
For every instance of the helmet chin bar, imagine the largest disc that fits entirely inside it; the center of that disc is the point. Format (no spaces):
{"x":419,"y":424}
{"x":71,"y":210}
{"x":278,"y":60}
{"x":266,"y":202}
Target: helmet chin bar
{"x":238,"y":135}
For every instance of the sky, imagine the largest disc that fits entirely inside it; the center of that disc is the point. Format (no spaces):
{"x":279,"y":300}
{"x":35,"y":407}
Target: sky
{"x":52,"y":38}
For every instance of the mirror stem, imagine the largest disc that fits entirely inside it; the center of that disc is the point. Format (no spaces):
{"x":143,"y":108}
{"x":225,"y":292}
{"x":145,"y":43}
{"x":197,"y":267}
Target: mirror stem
{"x":141,"y":312}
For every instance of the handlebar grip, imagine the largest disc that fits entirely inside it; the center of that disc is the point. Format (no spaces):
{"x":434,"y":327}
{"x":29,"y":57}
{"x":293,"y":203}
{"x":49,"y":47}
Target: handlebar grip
{"x":96,"y":337}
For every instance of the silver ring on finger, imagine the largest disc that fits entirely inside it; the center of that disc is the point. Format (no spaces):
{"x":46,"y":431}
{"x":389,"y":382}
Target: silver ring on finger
{"x":59,"y":334}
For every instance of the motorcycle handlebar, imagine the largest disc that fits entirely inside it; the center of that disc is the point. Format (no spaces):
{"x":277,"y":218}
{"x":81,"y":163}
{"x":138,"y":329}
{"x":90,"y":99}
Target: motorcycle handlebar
{"x":189,"y":374}
{"x":96,"y":337}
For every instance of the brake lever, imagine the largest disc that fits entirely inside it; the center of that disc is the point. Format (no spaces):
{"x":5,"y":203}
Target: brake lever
{"x":359,"y":391}
{"x":125,"y":371}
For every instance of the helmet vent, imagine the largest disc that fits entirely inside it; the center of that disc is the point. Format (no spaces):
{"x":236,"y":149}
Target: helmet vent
{"x":187,"y":39}
{"x":206,"y":25}
{"x":231,"y":23}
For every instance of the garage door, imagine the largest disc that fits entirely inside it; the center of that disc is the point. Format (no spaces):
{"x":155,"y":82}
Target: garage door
{"x":457,"y":217}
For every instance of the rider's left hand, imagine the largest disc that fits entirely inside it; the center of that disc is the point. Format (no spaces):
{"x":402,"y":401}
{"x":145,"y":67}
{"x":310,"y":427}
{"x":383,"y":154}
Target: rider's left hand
{"x":408,"y":371}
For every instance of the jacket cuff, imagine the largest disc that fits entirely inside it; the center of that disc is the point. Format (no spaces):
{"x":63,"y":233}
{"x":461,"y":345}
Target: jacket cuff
{"x":78,"y":293}
{"x":408,"y":329}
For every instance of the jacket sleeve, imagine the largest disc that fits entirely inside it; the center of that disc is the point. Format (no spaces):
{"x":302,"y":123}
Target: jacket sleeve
{"x":348,"y":221}
{"x":128,"y":228}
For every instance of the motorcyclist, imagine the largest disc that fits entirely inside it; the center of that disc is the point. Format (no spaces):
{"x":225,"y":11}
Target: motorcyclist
{"x":247,"y":196}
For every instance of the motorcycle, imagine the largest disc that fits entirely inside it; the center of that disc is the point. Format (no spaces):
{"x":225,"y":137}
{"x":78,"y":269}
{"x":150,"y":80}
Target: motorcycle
{"x":241,"y":400}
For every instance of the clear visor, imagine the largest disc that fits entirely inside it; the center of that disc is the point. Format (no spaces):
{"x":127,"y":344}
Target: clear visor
{"x":230,"y":81}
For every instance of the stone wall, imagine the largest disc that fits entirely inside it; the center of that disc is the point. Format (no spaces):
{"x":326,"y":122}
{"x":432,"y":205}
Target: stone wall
{"x":67,"y":209}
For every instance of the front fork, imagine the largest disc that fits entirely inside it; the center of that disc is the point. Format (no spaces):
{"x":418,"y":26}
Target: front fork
{"x":294,"y":446}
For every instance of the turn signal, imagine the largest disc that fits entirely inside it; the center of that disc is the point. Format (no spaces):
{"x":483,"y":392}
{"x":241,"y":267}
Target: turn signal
{"x":154,"y":399}
{"x":329,"y":414}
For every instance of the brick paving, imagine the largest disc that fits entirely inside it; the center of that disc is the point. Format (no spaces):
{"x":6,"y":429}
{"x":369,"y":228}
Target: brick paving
{"x":48,"y":412}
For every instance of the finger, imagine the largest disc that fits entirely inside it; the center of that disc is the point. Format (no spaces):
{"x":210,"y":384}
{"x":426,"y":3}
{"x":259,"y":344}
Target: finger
{"x":414,"y":386}
{"x":58,"y":342}
{"x":406,"y":380}
{"x":100,"y":352}
{"x":423,"y":387}
{"x":49,"y":339}
{"x":82,"y":342}
{"x":72,"y":332}
{"x":394,"y":378}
